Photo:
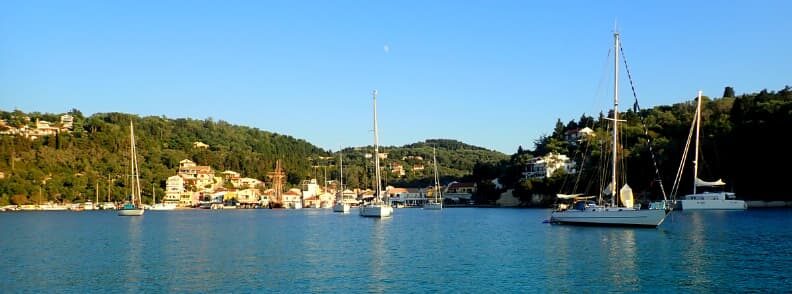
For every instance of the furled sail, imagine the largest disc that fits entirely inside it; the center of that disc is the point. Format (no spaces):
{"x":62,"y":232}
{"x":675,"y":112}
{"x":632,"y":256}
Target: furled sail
{"x":608,"y":189}
{"x":568,"y":196}
{"x":702,"y":183}
{"x":626,"y":196}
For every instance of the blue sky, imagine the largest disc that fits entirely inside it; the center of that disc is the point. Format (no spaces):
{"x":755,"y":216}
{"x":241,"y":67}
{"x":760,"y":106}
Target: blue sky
{"x":491,"y":73}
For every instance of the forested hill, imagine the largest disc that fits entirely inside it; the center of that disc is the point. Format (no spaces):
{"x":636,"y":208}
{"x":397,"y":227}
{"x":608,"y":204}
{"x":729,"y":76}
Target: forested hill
{"x":412,"y":165}
{"x":98,"y":148}
{"x":68,"y":166}
{"x":743,"y":142}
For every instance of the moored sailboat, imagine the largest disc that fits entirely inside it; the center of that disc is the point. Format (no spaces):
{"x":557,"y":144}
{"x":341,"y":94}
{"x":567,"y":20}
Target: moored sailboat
{"x":339,"y":205}
{"x":133,"y":207}
{"x":587,"y":212}
{"x":377,"y":207}
{"x":437,"y":201}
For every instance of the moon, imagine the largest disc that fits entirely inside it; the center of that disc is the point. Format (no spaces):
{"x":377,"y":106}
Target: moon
{"x":386,"y":48}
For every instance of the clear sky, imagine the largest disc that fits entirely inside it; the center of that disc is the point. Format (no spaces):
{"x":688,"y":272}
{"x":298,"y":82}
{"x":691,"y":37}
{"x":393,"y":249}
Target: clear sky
{"x":491,"y":73}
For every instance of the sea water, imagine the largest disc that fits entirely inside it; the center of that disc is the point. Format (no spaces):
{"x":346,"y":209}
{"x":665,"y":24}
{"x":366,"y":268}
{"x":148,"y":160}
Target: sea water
{"x":453,"y":250}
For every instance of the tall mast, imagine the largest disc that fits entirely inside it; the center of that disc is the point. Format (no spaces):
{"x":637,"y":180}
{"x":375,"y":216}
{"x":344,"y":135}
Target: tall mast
{"x":136,"y":181}
{"x":615,"y":115}
{"x":341,"y":163}
{"x":376,"y":149}
{"x":437,"y":179}
{"x":698,"y":127}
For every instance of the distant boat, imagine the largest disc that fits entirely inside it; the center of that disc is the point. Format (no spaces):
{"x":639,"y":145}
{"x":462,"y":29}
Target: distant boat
{"x":377,"y":207}
{"x":340,"y":206}
{"x":160,"y":206}
{"x":714,"y":198}
{"x":588,"y":212}
{"x":133,"y":207}
{"x":437,"y":202}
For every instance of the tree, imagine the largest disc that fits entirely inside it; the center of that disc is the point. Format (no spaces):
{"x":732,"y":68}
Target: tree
{"x":728,"y":92}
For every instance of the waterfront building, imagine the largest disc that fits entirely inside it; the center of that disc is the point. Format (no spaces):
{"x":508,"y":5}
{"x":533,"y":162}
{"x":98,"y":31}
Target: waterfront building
{"x":292,"y":199}
{"x":174,"y":187}
{"x":460,"y":192}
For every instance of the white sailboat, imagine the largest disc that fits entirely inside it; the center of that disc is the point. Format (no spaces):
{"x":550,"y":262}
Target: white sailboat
{"x":340,"y":206}
{"x":587,"y":212}
{"x":437,"y":202}
{"x":160,"y":206}
{"x":377,"y":207}
{"x":133,"y":207}
{"x":717,"y":199}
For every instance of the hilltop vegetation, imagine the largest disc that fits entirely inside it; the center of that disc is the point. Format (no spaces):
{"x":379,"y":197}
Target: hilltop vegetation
{"x":741,"y":142}
{"x":68,"y":166}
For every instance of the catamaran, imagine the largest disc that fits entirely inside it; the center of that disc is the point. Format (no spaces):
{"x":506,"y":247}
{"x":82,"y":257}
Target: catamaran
{"x":588,"y":212}
{"x":377,"y":207}
{"x":713,"y":198}
{"x":133,"y":207}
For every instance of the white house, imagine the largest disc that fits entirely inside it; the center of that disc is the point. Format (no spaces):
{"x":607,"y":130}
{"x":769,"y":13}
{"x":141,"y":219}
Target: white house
{"x":174,"y":187}
{"x":546,"y":166}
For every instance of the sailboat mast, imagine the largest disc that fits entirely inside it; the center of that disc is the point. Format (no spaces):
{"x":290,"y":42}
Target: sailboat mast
{"x":615,"y":115}
{"x":698,"y":128}
{"x":376,"y":149}
{"x":437,"y":180}
{"x":341,"y":163}
{"x":136,"y":184}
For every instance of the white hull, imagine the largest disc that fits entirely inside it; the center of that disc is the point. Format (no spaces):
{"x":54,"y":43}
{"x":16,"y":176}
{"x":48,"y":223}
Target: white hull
{"x":160,"y":206}
{"x":433,"y":206}
{"x":131,"y":212}
{"x":711,"y":205}
{"x":610,"y":217}
{"x":376,"y":210}
{"x":340,"y":207}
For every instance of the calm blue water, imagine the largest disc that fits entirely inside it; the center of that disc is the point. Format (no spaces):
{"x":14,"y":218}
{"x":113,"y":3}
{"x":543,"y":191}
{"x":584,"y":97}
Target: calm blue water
{"x":456,"y":250}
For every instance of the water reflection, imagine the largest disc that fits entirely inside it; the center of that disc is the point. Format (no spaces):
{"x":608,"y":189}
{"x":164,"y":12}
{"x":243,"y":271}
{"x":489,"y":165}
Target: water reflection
{"x":695,"y":253}
{"x":132,"y":267}
{"x":379,"y":238}
{"x":621,"y":258}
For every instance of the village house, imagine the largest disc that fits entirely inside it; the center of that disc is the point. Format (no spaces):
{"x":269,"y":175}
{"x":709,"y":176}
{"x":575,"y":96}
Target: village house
{"x":460,"y":192}
{"x":200,"y":145}
{"x":577,"y":135}
{"x":67,"y":122}
{"x":349,"y":197}
{"x":174,"y":188}
{"x":199,"y":176}
{"x":397,"y":169}
{"x":292,"y":199}
{"x":406,"y":196}
{"x":546,"y":166}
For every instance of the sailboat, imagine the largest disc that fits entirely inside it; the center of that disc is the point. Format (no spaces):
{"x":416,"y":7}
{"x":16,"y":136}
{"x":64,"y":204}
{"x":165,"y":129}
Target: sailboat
{"x":340,"y":206}
{"x":133,"y":207}
{"x":437,"y":202}
{"x":160,"y":206}
{"x":587,"y":212}
{"x":377,"y":207}
{"x":717,"y":199}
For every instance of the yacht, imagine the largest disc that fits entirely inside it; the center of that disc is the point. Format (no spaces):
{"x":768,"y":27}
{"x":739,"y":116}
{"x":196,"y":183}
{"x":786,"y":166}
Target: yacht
{"x":377,"y":207}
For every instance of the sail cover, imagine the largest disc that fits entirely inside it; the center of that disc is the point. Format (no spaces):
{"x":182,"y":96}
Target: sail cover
{"x":568,"y":196}
{"x":702,"y":183}
{"x":608,"y":189}
{"x":626,"y":196}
